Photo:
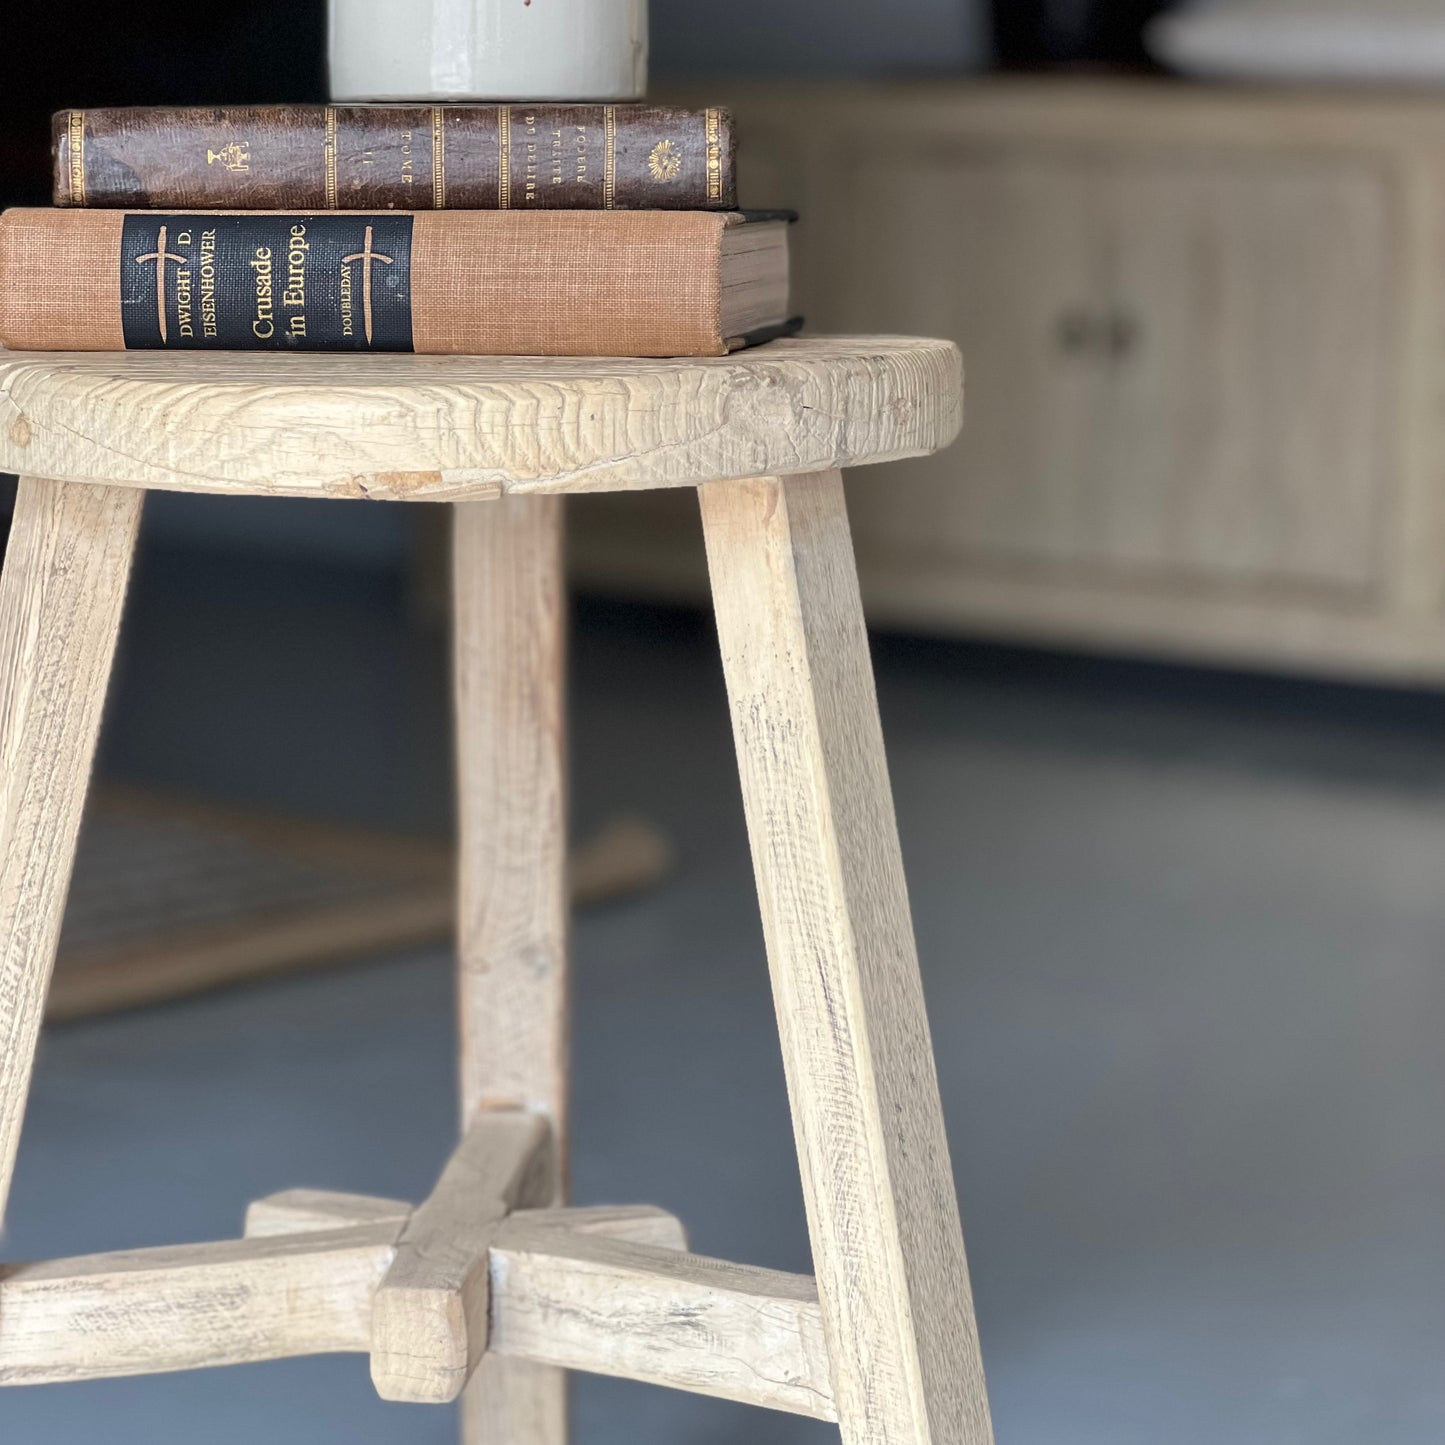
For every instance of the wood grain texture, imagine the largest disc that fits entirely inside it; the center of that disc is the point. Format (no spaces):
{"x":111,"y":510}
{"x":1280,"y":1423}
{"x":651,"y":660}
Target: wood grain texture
{"x":643,"y":1313}
{"x":190,"y":1307}
{"x":630,"y":1223}
{"x":413,"y":428}
{"x":514,"y":911}
{"x":302,"y":1211}
{"x":515,"y":1400}
{"x":514,"y":917}
{"x":61,"y":598}
{"x":295,"y":1211}
{"x":302,"y":1282}
{"x":887,"y":1243}
{"x":429,"y":1317}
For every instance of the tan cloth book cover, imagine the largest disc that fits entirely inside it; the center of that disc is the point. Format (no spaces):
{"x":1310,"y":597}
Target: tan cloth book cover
{"x":557,"y":283}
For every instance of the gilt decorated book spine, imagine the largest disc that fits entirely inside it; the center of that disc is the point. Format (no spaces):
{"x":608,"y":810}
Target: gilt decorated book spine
{"x":396,"y":157}
{"x":566,"y":283}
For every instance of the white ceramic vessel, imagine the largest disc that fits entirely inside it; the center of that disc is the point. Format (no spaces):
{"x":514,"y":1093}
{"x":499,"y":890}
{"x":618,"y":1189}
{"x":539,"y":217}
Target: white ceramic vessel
{"x":488,"y":49}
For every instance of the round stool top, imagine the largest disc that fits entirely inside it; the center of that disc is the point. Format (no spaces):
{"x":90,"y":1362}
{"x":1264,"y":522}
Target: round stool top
{"x":445,"y":428}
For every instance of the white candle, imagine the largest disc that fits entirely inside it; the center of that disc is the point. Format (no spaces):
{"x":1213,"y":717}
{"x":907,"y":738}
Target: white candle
{"x":488,"y":49}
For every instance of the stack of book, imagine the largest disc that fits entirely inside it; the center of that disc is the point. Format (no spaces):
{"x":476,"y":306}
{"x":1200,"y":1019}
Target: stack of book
{"x":543,"y":230}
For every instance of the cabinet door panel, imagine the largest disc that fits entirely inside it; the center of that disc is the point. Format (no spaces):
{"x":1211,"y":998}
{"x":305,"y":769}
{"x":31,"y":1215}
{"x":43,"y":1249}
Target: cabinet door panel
{"x":1001,"y":253}
{"x":1176,"y":368}
{"x":1245,"y":430}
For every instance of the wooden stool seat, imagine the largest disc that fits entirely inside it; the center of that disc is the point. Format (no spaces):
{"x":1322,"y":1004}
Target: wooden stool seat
{"x":491,"y":1288}
{"x":449,"y":428}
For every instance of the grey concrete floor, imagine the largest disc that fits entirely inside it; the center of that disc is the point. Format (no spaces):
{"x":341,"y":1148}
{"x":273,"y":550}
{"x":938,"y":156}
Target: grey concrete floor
{"x":1183,"y":940}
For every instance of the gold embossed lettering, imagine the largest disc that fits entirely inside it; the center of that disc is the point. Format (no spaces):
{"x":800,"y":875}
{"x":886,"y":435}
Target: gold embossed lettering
{"x":264,"y":324}
{"x":206,"y":273}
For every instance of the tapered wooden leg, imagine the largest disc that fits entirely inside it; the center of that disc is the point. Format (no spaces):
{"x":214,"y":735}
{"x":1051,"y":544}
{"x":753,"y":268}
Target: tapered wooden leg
{"x":61,"y":598}
{"x":887,"y":1244}
{"x":514,"y":914}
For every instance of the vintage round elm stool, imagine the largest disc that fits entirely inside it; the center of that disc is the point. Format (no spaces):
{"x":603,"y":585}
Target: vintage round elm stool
{"x":492,"y":1287}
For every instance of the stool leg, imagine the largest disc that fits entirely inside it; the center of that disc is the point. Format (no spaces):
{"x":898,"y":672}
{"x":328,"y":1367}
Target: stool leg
{"x":887,"y":1244}
{"x":61,"y":597}
{"x":514,"y":907}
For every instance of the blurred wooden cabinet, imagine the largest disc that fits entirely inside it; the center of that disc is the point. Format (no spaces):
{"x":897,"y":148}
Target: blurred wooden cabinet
{"x":1148,"y":349}
{"x":1204,"y":337}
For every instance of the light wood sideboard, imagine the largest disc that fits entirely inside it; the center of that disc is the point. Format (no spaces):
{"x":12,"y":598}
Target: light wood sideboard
{"x":1204,"y":332}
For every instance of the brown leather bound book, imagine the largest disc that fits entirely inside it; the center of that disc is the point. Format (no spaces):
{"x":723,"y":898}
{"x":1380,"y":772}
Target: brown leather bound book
{"x":396,"y":157}
{"x":481,"y":283}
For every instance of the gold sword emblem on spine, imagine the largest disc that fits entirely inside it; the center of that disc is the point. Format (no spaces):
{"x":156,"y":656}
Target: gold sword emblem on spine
{"x":160,"y":256}
{"x":366,"y":256}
